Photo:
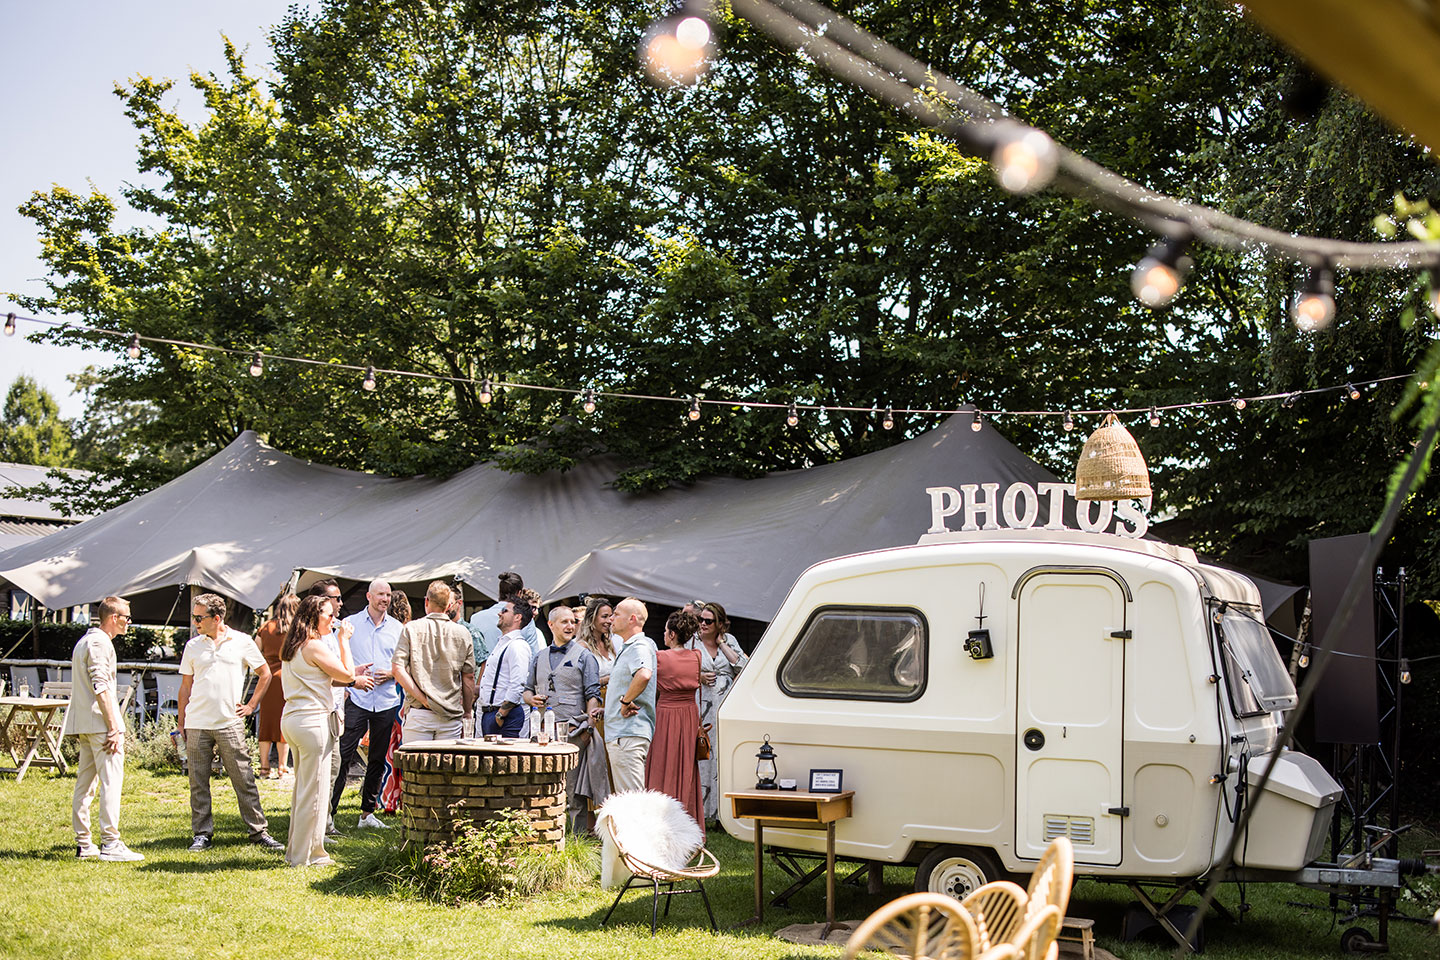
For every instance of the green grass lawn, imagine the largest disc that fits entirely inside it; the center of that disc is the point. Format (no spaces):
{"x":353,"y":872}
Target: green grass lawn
{"x":237,"y":901}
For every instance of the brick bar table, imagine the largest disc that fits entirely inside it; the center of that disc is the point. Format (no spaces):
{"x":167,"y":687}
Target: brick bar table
{"x":446,"y":782}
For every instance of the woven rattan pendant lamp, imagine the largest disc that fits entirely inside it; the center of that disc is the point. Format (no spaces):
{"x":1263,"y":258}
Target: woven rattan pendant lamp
{"x":1111,"y":465}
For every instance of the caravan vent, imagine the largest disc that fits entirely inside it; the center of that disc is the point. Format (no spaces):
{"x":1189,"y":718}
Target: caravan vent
{"x":1076,"y":829}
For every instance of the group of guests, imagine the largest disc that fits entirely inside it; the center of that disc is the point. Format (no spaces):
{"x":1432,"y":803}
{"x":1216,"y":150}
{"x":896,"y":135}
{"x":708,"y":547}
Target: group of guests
{"x":634,"y":710}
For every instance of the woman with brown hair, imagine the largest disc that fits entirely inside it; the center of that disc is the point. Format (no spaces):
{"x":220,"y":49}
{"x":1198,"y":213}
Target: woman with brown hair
{"x":311,"y":668}
{"x":271,"y":638}
{"x":721,"y":661}
{"x":671,"y":764}
{"x":592,"y":779}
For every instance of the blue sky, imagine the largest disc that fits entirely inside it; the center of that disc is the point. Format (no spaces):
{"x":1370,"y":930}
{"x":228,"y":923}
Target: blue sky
{"x":63,"y":124}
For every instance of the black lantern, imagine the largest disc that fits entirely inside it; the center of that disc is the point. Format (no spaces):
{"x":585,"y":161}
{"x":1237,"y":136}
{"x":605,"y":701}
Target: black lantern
{"x":765,"y":767}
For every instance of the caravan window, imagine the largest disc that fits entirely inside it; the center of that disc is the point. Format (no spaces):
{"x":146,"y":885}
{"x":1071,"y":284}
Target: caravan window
{"x":858,"y":653}
{"x":1254,"y":673}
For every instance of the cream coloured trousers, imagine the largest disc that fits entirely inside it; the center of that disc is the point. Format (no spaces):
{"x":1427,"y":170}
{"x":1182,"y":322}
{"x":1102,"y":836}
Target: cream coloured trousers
{"x":107,"y":771}
{"x":308,"y":734}
{"x":627,"y":763}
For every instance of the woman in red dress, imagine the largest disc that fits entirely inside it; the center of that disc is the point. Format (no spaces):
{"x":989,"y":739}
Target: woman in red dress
{"x":270,"y":639}
{"x":671,"y":766}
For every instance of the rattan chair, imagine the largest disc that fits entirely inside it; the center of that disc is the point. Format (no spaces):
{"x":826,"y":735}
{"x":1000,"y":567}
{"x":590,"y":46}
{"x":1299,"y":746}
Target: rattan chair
{"x":1050,"y":883}
{"x":1035,"y":940}
{"x":701,"y":868}
{"x":998,"y":909}
{"x":924,"y":926}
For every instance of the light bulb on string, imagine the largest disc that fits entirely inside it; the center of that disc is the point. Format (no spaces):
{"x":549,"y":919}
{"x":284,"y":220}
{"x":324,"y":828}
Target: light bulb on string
{"x":257,"y":364}
{"x":486,"y":393}
{"x":133,"y":351}
{"x":1289,"y":400}
{"x":1304,"y":656}
{"x":1068,"y":422}
{"x":694,"y":412}
{"x":889,"y":421}
{"x":1314,"y":306}
{"x":1404,"y":670}
{"x":1241,"y":403}
{"x":1352,"y":391}
{"x":9,"y":324}
{"x":1435,"y":301}
{"x":1161,"y":272}
{"x":588,"y":403}
{"x":1025,"y":159}
{"x":1154,"y":416}
{"x":977,"y":421}
{"x":369,"y":382}
{"x":792,"y":416}
{"x":677,"y":50}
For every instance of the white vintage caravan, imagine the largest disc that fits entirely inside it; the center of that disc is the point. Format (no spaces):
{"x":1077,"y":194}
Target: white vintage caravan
{"x":1123,"y":691}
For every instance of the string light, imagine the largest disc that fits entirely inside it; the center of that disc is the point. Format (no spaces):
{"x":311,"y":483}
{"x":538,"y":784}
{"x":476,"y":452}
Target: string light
{"x":694,"y":413}
{"x":889,"y":422}
{"x":1304,"y":656}
{"x":1161,"y":272}
{"x":1404,"y":670}
{"x":487,"y":385}
{"x":9,"y":324}
{"x":588,"y":404}
{"x":677,"y":50}
{"x":1025,"y":159}
{"x":133,"y":351}
{"x":792,"y":416}
{"x":369,"y":381}
{"x":977,"y":421}
{"x":1314,"y":307}
{"x":1435,"y":301}
{"x":1154,"y":417}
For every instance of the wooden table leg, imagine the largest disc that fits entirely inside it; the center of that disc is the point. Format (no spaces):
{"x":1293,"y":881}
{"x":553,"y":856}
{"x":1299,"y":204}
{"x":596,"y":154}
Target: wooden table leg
{"x":830,"y":923}
{"x":34,"y":747}
{"x":759,"y":876}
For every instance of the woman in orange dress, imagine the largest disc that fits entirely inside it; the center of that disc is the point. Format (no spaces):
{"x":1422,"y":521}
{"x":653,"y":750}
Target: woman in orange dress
{"x":671,"y":766}
{"x":271,"y":637}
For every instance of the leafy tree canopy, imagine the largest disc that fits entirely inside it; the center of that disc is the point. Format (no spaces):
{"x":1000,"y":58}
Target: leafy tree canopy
{"x":492,"y":189}
{"x":32,"y":430}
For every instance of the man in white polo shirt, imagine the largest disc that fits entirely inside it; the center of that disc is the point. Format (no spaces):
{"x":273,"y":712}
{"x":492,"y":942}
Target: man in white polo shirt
{"x":212,"y":680}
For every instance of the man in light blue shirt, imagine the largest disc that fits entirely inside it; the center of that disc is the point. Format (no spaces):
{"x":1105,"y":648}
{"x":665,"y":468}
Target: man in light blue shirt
{"x":373,"y":647}
{"x":487,"y":621}
{"x":630,"y":698}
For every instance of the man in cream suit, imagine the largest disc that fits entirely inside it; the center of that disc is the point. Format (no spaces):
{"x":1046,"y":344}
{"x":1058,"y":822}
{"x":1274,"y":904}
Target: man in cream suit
{"x":94,"y":719}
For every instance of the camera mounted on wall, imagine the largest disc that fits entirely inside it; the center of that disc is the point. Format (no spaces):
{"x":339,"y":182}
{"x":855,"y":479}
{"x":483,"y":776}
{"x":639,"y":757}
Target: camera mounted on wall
{"x":977,"y":644}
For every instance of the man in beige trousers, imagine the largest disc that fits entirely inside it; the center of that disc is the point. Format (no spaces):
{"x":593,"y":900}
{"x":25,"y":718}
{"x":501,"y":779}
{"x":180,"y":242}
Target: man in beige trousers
{"x":94,"y":719}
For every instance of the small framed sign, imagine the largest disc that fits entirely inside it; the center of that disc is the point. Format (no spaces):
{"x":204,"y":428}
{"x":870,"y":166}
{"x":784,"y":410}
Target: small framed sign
{"x":826,"y":781}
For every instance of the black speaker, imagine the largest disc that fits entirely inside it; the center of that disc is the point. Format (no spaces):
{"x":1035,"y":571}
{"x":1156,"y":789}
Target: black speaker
{"x":1346,"y":704}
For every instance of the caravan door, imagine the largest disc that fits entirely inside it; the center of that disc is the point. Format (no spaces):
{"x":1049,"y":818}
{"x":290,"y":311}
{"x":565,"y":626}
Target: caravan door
{"x":1070,"y":710}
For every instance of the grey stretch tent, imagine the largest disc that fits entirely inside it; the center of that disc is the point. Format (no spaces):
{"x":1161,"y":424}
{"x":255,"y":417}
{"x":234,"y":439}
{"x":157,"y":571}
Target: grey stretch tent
{"x":241,"y":522}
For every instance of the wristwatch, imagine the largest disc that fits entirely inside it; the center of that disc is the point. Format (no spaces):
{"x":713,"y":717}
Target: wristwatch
{"x":626,"y":703}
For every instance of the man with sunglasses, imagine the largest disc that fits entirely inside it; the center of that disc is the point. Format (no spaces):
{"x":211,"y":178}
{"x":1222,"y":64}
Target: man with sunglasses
{"x":212,"y":680}
{"x":94,"y":720}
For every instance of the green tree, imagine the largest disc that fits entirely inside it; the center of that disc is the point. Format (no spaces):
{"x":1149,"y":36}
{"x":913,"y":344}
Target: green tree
{"x":33,"y":430}
{"x":492,"y":190}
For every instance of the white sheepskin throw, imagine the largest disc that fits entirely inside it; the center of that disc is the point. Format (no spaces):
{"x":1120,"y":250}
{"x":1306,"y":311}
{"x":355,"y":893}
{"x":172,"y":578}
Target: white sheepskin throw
{"x":651,"y":826}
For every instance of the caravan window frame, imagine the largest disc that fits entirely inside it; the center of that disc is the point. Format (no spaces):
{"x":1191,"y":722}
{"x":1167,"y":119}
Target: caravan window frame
{"x":922,"y":655}
{"x":1235,"y":628}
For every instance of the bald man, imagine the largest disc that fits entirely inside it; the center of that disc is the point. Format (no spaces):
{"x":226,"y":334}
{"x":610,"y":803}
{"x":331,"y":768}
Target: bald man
{"x":630,"y":698}
{"x":373,"y":644}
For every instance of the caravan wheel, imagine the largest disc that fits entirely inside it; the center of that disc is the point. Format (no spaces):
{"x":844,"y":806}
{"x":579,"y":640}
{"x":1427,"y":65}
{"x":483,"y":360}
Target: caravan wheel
{"x":956,"y":871}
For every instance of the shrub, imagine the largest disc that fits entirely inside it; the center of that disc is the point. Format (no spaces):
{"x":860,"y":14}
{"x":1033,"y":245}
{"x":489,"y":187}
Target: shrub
{"x":151,"y":747}
{"x":490,"y":862}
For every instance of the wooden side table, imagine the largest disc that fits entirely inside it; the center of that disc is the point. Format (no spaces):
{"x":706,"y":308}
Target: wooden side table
{"x":794,"y":810}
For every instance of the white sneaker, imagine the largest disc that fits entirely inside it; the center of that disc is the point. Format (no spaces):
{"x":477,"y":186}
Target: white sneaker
{"x":86,"y":851}
{"x":118,"y":852}
{"x":370,"y":820}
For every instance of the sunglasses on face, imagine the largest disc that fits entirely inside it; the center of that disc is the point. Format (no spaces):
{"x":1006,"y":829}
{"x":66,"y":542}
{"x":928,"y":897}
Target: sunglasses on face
{"x":707,"y":619}
{"x":197,"y":617}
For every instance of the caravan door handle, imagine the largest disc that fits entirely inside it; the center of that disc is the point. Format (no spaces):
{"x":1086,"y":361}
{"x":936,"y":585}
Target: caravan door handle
{"x":1034,"y":739}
